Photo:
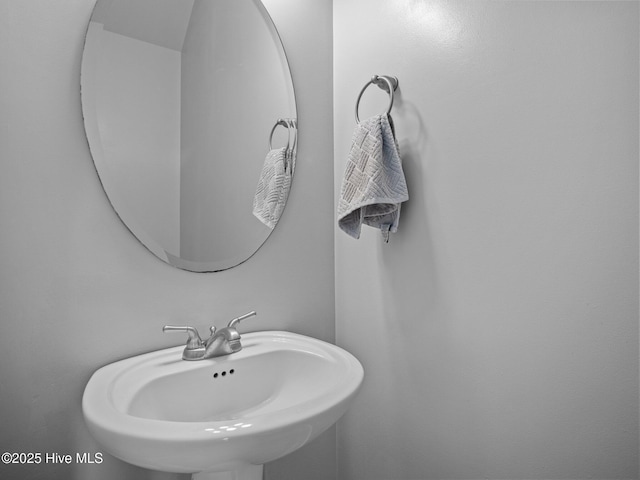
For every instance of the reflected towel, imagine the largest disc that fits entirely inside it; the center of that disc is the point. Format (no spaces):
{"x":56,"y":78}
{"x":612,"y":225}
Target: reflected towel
{"x":374,"y":185}
{"x":273,"y":187}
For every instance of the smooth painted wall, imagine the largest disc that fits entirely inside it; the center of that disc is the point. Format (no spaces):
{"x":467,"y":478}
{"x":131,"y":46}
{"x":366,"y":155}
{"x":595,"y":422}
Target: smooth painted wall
{"x":499,"y":327}
{"x":77,"y":291}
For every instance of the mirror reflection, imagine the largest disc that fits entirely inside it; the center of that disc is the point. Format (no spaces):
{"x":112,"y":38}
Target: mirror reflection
{"x":190,"y":115}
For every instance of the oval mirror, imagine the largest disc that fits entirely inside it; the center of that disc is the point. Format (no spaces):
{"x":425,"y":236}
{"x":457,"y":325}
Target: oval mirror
{"x":190,"y":112}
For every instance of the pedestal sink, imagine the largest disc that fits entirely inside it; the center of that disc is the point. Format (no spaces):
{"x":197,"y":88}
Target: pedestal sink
{"x":224,"y":417}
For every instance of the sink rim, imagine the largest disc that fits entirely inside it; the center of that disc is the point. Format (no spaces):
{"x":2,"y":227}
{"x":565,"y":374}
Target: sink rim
{"x":100,"y":410}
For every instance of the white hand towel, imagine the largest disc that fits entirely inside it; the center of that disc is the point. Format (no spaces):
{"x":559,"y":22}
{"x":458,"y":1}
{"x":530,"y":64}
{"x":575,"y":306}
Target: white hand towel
{"x":374,"y":185}
{"x":273,"y":186}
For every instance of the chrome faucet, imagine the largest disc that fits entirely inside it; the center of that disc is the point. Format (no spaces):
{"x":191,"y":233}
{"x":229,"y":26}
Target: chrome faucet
{"x":221,"y":342}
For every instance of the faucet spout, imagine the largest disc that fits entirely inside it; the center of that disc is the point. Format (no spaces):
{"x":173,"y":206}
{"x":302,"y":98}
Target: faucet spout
{"x":224,"y":342}
{"x":229,"y":333}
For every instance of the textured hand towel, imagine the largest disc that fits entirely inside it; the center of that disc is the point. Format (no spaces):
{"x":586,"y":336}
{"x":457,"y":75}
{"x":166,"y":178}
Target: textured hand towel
{"x":374,"y":186}
{"x":273,"y":186}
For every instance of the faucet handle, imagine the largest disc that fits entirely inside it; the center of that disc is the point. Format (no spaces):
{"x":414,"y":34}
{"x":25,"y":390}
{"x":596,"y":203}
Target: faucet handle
{"x":194,"y":341}
{"x":236,"y":320}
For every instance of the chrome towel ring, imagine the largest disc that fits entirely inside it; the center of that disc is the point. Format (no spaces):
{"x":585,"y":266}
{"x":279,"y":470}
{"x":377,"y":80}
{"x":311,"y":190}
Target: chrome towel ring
{"x":385,"y":82}
{"x":290,"y":124}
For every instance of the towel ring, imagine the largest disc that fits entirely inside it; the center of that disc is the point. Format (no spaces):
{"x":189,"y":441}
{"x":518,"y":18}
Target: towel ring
{"x":284,"y":123}
{"x":386,"y":83}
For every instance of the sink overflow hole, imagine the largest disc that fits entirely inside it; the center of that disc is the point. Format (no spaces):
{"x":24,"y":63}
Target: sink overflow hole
{"x":224,"y":373}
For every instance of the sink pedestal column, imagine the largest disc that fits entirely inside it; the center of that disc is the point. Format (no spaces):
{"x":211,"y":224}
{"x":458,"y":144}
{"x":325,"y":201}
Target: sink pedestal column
{"x":248,"y":472}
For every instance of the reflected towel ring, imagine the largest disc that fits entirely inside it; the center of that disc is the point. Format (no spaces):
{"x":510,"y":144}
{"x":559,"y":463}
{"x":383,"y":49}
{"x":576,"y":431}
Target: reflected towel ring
{"x":291,"y":125}
{"x":284,"y":123}
{"x":385,"y":82}
{"x":293,"y":128}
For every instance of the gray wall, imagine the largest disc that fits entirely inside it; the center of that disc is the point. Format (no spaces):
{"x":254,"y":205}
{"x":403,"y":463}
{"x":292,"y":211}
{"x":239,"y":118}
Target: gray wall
{"x":499,"y":328}
{"x":77,"y":291}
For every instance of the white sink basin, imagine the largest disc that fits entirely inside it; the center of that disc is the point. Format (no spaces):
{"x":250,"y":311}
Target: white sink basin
{"x":222,"y":414}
